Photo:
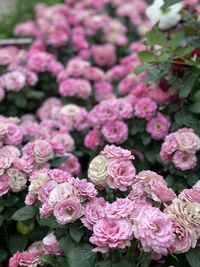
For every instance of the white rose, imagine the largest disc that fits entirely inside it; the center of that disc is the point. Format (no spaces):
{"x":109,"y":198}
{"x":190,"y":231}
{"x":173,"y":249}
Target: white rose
{"x":60,"y":192}
{"x":98,"y":171}
{"x":70,"y":110}
{"x":17,"y":179}
{"x":166,"y":19}
{"x":38,"y":182}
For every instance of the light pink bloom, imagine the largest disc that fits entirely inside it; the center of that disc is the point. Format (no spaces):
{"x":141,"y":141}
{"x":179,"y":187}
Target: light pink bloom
{"x":110,"y":233}
{"x":154,"y":230}
{"x":115,"y":132}
{"x":112,"y":151}
{"x":121,"y":208}
{"x":184,"y":160}
{"x":158,"y":126}
{"x":51,"y":245}
{"x":93,"y":139}
{"x":93,"y":211}
{"x":145,"y":108}
{"x":14,"y":81}
{"x":68,"y":210}
{"x":121,"y":174}
{"x":43,"y":151}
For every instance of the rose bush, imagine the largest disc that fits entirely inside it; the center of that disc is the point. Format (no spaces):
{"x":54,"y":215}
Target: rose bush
{"x":99,"y":136}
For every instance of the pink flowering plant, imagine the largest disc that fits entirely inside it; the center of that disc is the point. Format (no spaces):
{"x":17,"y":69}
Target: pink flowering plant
{"x":99,"y":136}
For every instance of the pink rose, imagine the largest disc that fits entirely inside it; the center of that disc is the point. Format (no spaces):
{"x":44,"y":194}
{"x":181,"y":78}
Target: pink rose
{"x":121,"y":174}
{"x":93,"y":211}
{"x":14,"y":81}
{"x":184,"y":161}
{"x":43,"y":151}
{"x":110,"y":233}
{"x":85,"y":189}
{"x":93,"y":139}
{"x":154,"y":230}
{"x":185,"y":237}
{"x":187,"y":140}
{"x":4,"y":184}
{"x":121,"y":208}
{"x":112,"y":151}
{"x":158,"y":126}
{"x":145,"y":108}
{"x":68,"y":210}
{"x":51,"y":245}
{"x":115,"y":132}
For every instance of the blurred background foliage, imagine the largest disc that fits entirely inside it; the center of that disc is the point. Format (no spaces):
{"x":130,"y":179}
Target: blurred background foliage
{"x":23,"y":11}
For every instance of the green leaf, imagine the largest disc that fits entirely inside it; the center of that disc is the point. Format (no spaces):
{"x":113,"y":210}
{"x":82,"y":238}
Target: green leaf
{"x":81,"y":256}
{"x":58,"y":161}
{"x":183,"y":51}
{"x":76,"y":232}
{"x":146,"y":139}
{"x":147,"y":56}
{"x":49,"y":259}
{"x":177,"y":39}
{"x":67,"y":243}
{"x":24,"y":213}
{"x":193,"y":257}
{"x":3,"y":254}
{"x":123,"y":262}
{"x":50,"y":222}
{"x":189,"y":83}
{"x":156,"y":37}
{"x":195,"y":108}
{"x":105,"y":263}
{"x":18,"y":243}
{"x":169,"y":3}
{"x":1,"y":219}
{"x":141,"y":68}
{"x":11,"y":200}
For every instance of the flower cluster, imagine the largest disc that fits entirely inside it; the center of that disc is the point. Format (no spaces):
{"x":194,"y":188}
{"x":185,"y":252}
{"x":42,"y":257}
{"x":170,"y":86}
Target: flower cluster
{"x":180,"y":147}
{"x":112,"y":168}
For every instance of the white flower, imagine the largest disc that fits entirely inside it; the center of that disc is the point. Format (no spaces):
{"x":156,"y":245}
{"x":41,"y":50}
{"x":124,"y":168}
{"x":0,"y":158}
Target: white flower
{"x":98,"y":171}
{"x":60,"y":192}
{"x":166,"y":19}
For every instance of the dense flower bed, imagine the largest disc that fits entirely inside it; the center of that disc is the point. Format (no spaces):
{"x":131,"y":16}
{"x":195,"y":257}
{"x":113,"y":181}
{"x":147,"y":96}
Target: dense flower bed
{"x":100,"y":136}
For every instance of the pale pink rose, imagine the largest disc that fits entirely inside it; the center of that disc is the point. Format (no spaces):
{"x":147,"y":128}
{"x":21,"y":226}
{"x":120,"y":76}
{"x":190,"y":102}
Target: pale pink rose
{"x":94,"y":74}
{"x":158,"y":126}
{"x":4,"y":184}
{"x":59,"y":175}
{"x":168,"y":147}
{"x":3,"y":130}
{"x":121,"y":208}
{"x":5,"y":163}
{"x":154,"y":230}
{"x":103,"y":91}
{"x":76,"y":67}
{"x":71,"y":165}
{"x":115,"y":132}
{"x":85,"y":189}
{"x":125,"y":109}
{"x":93,"y":139}
{"x":184,"y":161}
{"x":81,"y":121}
{"x":44,"y":191}
{"x":121,"y":174}
{"x":38,"y":61}
{"x":192,"y":195}
{"x":46,"y":210}
{"x":51,"y":245}
{"x":30,"y":199}
{"x":14,"y":81}
{"x":14,"y":135}
{"x":68,"y":210}
{"x":93,"y":211}
{"x":43,"y":151}
{"x":145,"y":108}
{"x":65,"y":140}
{"x":60,"y":192}
{"x":185,"y":237}
{"x":68,"y":87}
{"x":187,"y":140}
{"x":104,"y":55}
{"x":17,"y":179}
{"x":115,"y":152}
{"x":110,"y":233}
